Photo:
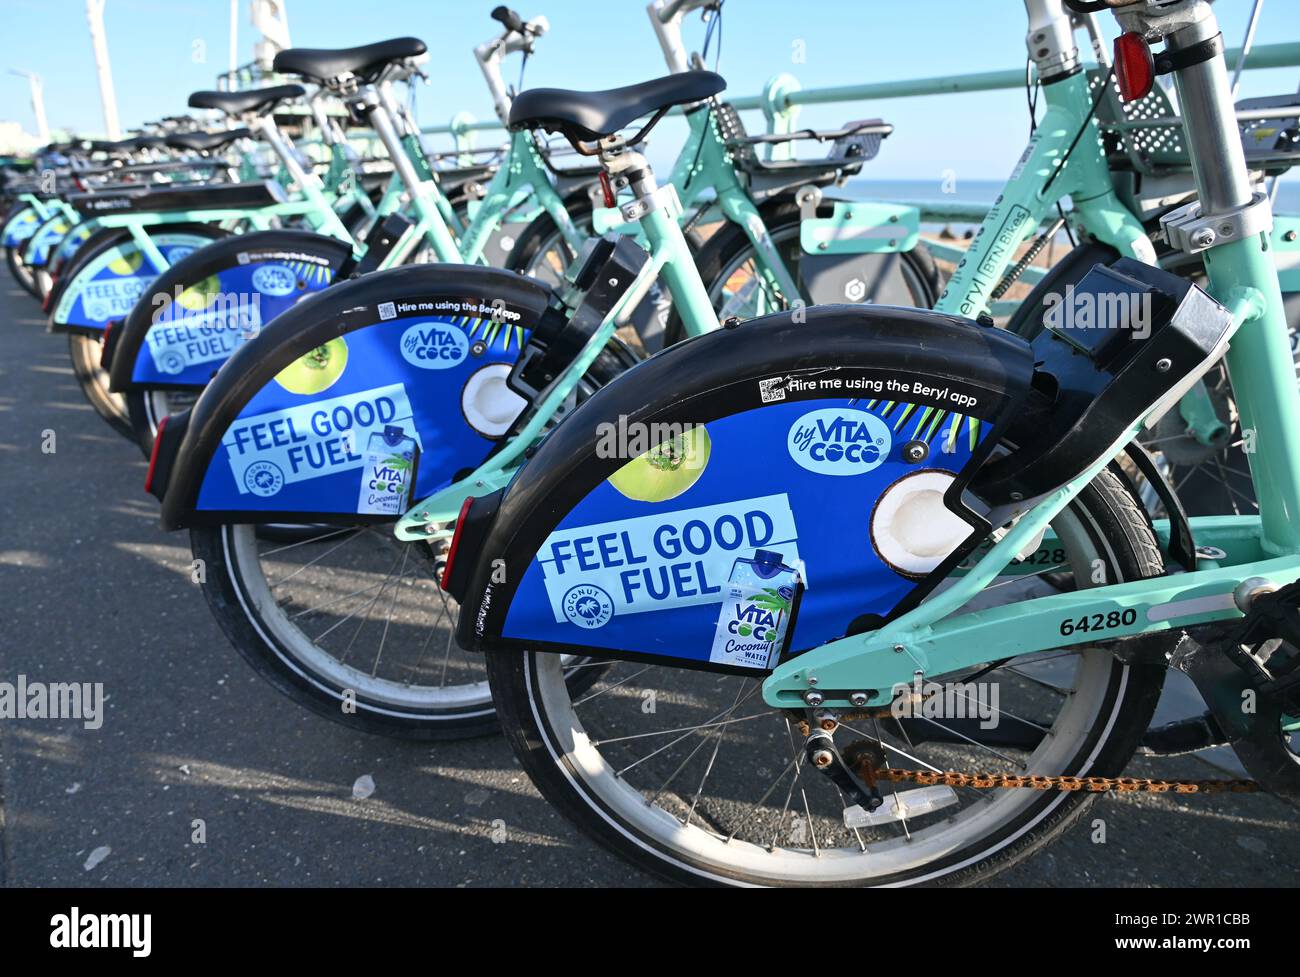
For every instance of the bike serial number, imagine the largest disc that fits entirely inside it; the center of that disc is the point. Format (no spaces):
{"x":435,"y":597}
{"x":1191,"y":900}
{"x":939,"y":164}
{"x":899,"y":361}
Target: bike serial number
{"x":1099,"y":622}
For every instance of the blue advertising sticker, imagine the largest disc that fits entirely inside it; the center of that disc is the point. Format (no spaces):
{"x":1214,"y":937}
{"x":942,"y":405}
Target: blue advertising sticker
{"x":197,"y":330}
{"x":698,"y":550}
{"x":335,"y":431}
{"x":47,"y":236}
{"x":109,"y":285}
{"x":20,"y":227}
{"x":71,"y":242}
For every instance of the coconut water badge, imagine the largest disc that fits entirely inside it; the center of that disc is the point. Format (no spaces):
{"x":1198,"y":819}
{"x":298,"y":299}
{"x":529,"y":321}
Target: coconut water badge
{"x":758,"y":603}
{"x":661,"y":561}
{"x":270,"y":450}
{"x":388,"y":470}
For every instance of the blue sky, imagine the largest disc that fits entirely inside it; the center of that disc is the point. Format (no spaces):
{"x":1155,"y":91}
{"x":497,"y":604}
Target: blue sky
{"x":163,"y":49}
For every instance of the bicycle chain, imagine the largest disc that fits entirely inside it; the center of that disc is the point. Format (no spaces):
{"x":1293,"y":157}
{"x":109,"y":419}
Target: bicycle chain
{"x":930,"y":778}
{"x":1096,"y":785}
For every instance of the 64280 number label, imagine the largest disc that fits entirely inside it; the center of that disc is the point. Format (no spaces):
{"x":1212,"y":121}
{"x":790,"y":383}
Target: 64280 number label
{"x":1099,"y":622}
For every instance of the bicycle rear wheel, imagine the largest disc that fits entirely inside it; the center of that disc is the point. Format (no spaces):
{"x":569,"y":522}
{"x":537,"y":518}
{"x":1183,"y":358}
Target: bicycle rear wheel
{"x":707,"y":785}
{"x":86,"y":352}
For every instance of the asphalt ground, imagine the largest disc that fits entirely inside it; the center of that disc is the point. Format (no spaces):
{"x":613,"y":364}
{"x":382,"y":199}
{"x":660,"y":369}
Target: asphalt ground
{"x":94,"y":591}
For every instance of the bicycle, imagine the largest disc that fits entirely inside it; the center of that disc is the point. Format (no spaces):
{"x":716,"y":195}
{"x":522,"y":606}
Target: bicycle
{"x":489,"y":409}
{"x":855,"y":497}
{"x":440,"y":378}
{"x":139,"y":232}
{"x":786,"y":235}
{"x":151,"y":367}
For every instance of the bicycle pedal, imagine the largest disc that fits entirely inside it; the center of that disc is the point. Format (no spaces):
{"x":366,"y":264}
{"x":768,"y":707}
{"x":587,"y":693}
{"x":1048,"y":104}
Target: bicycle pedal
{"x":1272,"y":614}
{"x":901,"y":805}
{"x":1266,"y":644}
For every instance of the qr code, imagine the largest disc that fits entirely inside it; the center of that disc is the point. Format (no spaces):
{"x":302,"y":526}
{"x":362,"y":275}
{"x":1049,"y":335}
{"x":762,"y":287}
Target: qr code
{"x":242,"y":258}
{"x":387,"y":310}
{"x":771,"y":390}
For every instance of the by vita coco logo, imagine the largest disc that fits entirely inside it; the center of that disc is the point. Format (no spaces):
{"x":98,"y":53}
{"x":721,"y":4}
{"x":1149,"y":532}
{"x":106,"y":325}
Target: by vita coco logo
{"x":839,"y":441}
{"x":275,"y":280}
{"x":434,"y":345}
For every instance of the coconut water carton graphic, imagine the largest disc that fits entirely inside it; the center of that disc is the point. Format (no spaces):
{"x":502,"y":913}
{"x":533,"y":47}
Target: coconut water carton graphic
{"x":387,"y":471}
{"x":758,"y":602}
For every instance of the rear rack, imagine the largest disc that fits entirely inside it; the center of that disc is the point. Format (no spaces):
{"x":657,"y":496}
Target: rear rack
{"x":851,"y":145}
{"x":1149,"y":131}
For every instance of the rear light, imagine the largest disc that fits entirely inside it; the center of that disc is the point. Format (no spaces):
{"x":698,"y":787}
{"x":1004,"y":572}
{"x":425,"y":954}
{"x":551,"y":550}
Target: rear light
{"x":49,"y":296}
{"x":1135,"y":68}
{"x":153,"y":455}
{"x":455,"y":542}
{"x":106,"y":350}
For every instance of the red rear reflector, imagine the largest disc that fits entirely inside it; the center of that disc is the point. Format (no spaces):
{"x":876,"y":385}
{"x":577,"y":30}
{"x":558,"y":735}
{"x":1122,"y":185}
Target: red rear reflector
{"x":1135,"y":69}
{"x":103,"y":346}
{"x":607,"y":189}
{"x":153,"y":456}
{"x":45,"y":303}
{"x":455,"y":542}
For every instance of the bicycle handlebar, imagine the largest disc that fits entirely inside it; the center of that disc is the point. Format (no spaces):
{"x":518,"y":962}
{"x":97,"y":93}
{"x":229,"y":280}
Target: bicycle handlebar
{"x":1096,"y":6}
{"x":672,"y":8}
{"x":508,"y":18}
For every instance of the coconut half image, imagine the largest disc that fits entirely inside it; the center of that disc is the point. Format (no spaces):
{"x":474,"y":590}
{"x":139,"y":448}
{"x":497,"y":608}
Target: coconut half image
{"x":666,"y":470}
{"x":911,"y":528}
{"x":487,"y":403}
{"x":316,"y":371}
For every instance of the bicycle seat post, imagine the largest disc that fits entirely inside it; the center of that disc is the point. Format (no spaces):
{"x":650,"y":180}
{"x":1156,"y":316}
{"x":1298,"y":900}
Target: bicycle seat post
{"x":265,"y":126}
{"x":1209,"y":118}
{"x":330,"y":133}
{"x":376,"y":105}
{"x":1051,"y":40}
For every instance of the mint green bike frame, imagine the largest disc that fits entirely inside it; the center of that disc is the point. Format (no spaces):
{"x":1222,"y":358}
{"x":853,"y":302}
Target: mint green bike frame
{"x":704,"y":175}
{"x":671,"y":260}
{"x":522,"y":178}
{"x":930,"y":640}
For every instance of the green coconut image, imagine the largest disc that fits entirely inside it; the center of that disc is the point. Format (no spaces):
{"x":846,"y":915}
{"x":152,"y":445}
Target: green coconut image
{"x":666,"y":470}
{"x":126,"y":263}
{"x":316,"y":371}
{"x":199,"y":296}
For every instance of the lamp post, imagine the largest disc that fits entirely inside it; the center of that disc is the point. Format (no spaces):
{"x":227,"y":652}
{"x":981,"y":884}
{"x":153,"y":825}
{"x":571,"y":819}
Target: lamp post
{"x":38,"y":102}
{"x":95,"y":14}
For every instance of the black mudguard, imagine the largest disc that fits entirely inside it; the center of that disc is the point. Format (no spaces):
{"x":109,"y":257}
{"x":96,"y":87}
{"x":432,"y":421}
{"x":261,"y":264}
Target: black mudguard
{"x":382,"y":364}
{"x":788,"y":455}
{"x":201,"y":309}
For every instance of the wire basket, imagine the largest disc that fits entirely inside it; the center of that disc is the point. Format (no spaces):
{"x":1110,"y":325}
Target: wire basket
{"x":1153,"y":149}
